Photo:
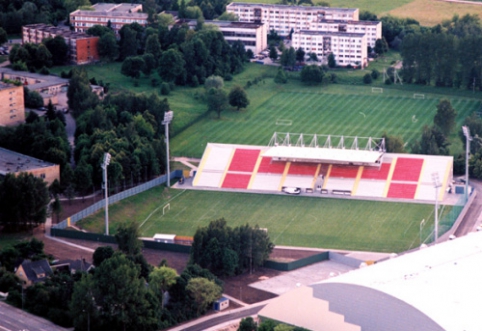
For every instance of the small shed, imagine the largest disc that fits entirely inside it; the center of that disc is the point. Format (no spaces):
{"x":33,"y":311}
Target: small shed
{"x":221,"y":304}
{"x":164,"y":238}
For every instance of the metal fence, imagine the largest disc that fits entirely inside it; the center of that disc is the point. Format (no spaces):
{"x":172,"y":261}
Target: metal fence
{"x":117,"y":197}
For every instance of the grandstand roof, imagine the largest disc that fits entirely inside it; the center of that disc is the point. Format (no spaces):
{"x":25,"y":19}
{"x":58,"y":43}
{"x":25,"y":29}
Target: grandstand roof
{"x":437,"y":287}
{"x":328,"y":155}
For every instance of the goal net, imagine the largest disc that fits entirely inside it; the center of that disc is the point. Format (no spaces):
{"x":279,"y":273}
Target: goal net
{"x":377,"y":90}
{"x":419,"y":96}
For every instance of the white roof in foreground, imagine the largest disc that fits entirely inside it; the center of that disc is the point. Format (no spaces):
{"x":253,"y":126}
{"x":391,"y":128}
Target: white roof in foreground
{"x":443,"y":281}
{"x":330,"y":155}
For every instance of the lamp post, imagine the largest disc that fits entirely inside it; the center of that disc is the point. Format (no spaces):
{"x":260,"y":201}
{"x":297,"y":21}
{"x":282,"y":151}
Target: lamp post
{"x":436,"y":184}
{"x":104,"y":165}
{"x":167,"y":120}
{"x":468,"y":138}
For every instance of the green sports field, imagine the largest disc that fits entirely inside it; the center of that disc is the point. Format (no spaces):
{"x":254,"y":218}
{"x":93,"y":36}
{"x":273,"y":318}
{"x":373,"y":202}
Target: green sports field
{"x":334,"y":109}
{"x":291,"y":220}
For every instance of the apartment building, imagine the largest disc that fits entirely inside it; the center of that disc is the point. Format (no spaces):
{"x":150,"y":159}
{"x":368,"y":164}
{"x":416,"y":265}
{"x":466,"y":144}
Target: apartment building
{"x":12,"y":109}
{"x":117,"y":15}
{"x":15,"y":163}
{"x":254,"y":36}
{"x":284,"y":18}
{"x":82,"y":47}
{"x":348,"y":48}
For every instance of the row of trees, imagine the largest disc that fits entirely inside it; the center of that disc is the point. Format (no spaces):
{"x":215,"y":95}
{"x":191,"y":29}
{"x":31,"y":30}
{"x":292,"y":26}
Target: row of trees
{"x":227,"y":251}
{"x":52,"y":51}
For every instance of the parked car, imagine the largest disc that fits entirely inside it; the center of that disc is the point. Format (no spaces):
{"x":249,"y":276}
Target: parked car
{"x":42,"y":108}
{"x":292,"y":190}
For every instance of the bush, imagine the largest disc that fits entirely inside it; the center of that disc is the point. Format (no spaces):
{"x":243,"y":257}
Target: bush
{"x":333,"y":78}
{"x":388,"y":81}
{"x":44,"y":71}
{"x":19,"y":66}
{"x":155,"y":82}
{"x":367,"y":79}
{"x":195,"y":82}
{"x":375,"y":74}
{"x":312,"y":75}
{"x":228,"y":77}
{"x":165,"y":89}
{"x":281,"y":77}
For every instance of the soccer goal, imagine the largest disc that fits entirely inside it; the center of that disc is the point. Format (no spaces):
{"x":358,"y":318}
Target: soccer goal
{"x":166,"y":207}
{"x":283,"y":122}
{"x":418,"y":96}
{"x":377,"y":90}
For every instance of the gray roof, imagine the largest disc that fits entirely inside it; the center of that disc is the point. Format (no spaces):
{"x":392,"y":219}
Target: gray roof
{"x":36,"y":271}
{"x":62,"y":31}
{"x":74,"y":265}
{"x":12,"y":162}
{"x":44,"y":81}
{"x":330,"y":33}
{"x":307,"y":8}
{"x":223,"y":24}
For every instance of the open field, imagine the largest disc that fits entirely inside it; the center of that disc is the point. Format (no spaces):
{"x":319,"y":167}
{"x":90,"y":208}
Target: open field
{"x":333,"y":109}
{"x":292,"y":221}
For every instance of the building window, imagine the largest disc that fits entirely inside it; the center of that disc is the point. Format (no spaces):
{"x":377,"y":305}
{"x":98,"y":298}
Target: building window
{"x":42,"y":176}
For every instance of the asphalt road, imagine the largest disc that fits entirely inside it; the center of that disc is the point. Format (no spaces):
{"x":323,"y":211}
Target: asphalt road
{"x":13,"y":319}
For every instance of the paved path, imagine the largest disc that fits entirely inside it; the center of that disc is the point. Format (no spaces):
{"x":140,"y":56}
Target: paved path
{"x":14,"y":319}
{"x":187,"y":161}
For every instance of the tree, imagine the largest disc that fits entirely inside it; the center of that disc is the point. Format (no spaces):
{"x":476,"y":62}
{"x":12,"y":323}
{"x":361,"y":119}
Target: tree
{"x":312,"y":75}
{"x":150,"y":63}
{"x":23,"y":200}
{"x":432,"y":142}
{"x":375,"y":74}
{"x":98,"y":30}
{"x":214,"y":81}
{"x":57,"y":208}
{"x":394,"y":144}
{"x":82,"y":305}
{"x":331,"y":60}
{"x":445,"y":116}
{"x":204,"y":292}
{"x":101,"y":254}
{"x":32,"y":99}
{"x":79,"y":93}
{"x":132,"y":66}
{"x":300,"y":55}
{"x":273,"y":53}
{"x":153,"y":46}
{"x":3,"y":36}
{"x":43,"y":57}
{"x":58,"y":48}
{"x":238,"y":98}
{"x":381,"y":46}
{"x":161,"y":279}
{"x":247,"y":324}
{"x":367,"y":79}
{"x":227,"y":16}
{"x":107,"y":47}
{"x":217,"y":100}
{"x":128,"y":42}
{"x":127,"y":238}
{"x":83,"y":177}
{"x":171,"y":65}
{"x":281,"y":77}
{"x":288,"y":57}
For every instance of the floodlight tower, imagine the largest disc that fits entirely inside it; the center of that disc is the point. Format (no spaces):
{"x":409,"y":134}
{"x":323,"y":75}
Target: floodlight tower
{"x":468,"y":138}
{"x":167,"y":120}
{"x":436,"y":184}
{"x":104,"y":165}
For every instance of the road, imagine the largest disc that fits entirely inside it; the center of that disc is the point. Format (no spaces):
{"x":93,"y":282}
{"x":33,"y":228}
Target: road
{"x":14,"y":319}
{"x":470,"y":220}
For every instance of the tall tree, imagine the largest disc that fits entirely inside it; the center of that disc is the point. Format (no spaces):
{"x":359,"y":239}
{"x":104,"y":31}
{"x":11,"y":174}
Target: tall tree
{"x":238,"y":97}
{"x":132,"y":66}
{"x":3,"y":36}
{"x":128,"y":42}
{"x":204,"y":292}
{"x":127,"y":238}
{"x":171,"y":65}
{"x":153,"y":46}
{"x":217,"y":100}
{"x":445,"y":116}
{"x":300,"y":55}
{"x":79,"y":93}
{"x":161,"y":279}
{"x":58,"y":48}
{"x":288,"y":57}
{"x":107,"y":47}
{"x":273,"y":53}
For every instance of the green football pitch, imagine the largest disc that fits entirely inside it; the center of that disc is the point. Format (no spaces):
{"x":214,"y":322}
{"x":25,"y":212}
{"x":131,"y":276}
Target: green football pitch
{"x":290,"y":220}
{"x":333,"y":109}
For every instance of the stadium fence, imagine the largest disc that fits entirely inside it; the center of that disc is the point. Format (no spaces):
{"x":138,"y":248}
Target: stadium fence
{"x":117,"y":197}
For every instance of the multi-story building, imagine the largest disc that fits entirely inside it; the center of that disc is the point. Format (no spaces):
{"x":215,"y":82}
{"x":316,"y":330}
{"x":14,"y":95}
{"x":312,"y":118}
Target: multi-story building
{"x":284,"y":18}
{"x":82,"y":47}
{"x":253,"y":35}
{"x":115,"y":15}
{"x":348,"y":48}
{"x":15,"y":163}
{"x":12,"y":109}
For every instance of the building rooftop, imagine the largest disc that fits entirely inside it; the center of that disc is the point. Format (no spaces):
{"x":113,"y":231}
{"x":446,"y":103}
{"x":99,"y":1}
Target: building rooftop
{"x":113,"y":10}
{"x":330,"y":33}
{"x":5,"y":86}
{"x":62,"y":31}
{"x":42,"y":81}
{"x":11,"y":162}
{"x":306,"y":8}
{"x":351,"y":22}
{"x":224,"y":24}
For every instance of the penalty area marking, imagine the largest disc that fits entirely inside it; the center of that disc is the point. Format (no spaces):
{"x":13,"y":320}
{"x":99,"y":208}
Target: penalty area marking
{"x":281,"y":121}
{"x":363,"y":114}
{"x":164,"y":206}
{"x":414,"y":119}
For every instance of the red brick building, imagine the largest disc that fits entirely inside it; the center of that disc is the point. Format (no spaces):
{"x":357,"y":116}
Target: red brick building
{"x":82,"y":47}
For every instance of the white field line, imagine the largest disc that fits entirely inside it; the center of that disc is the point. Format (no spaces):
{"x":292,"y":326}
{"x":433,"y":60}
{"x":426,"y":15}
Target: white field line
{"x":152,"y":213}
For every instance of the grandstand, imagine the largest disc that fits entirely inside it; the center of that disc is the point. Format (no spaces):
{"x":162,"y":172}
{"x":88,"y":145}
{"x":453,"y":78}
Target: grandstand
{"x":325,"y":166}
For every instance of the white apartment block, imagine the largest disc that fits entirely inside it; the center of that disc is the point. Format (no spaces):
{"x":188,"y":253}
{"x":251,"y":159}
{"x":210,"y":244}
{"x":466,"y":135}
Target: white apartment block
{"x":372,"y":29}
{"x":117,"y":14}
{"x":348,"y":48}
{"x":254,"y":36}
{"x":283,"y":18}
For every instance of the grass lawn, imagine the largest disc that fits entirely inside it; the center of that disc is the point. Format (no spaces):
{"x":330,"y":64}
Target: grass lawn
{"x":331,"y":109}
{"x":10,"y":239}
{"x":291,"y":220}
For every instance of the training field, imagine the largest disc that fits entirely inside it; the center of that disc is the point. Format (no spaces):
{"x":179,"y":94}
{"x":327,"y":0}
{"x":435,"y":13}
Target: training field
{"x":334,"y":109}
{"x":291,"y":220}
